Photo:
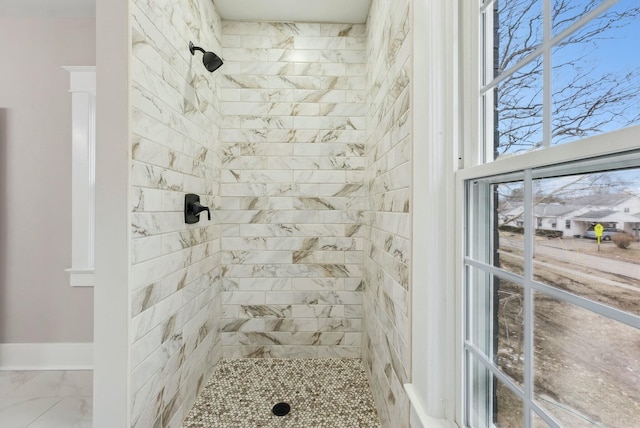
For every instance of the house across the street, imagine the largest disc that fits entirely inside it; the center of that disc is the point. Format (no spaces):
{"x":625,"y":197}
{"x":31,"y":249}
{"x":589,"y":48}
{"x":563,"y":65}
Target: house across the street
{"x":574,"y":216}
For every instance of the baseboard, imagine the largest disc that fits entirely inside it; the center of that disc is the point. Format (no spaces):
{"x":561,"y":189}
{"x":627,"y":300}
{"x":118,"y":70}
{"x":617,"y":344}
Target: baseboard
{"x":46,"y":356}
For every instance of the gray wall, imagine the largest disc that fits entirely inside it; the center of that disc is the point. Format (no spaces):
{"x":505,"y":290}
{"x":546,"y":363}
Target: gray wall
{"x":37,"y":304}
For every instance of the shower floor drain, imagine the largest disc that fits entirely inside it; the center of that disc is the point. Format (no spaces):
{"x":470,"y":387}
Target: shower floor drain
{"x":281,"y":409}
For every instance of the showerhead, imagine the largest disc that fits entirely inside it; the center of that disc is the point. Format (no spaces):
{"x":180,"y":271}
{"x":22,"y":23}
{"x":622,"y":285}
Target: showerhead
{"x":210,"y":60}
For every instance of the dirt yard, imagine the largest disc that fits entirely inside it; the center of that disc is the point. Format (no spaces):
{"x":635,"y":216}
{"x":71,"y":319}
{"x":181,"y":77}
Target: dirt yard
{"x":586,"y":367}
{"x":590,"y":246}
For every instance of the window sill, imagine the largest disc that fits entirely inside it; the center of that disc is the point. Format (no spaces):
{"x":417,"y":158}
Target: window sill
{"x":420,"y":418}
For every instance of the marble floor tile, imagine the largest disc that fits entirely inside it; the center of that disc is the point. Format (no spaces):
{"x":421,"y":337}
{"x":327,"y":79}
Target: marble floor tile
{"x":55,"y":383}
{"x":21,"y":412}
{"x":69,"y":412}
{"x":46,"y":399}
{"x":11,"y":380}
{"x":322,"y":393}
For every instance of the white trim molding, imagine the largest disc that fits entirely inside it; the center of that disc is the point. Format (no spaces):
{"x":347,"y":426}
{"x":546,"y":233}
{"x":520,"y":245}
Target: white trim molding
{"x":81,"y":277}
{"x":419,"y":416}
{"x":83,"y":115}
{"x":435,"y":160}
{"x":46,"y":356}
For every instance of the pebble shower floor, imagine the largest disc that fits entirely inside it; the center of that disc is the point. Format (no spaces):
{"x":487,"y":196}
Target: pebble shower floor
{"x":323,"y":393}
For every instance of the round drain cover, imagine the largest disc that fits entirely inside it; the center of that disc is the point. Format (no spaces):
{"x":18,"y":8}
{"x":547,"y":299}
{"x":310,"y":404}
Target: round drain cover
{"x":281,"y":409}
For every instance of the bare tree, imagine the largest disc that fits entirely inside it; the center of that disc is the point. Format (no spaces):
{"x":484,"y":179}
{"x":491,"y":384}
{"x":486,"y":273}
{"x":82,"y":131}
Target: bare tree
{"x":588,"y":98}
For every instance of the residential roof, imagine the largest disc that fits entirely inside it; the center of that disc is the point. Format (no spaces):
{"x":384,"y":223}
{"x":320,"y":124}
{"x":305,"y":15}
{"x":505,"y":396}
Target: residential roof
{"x":554,"y":210}
{"x":608,"y":216}
{"x":577,"y":205}
{"x":594,"y":214}
{"x":600,"y":199}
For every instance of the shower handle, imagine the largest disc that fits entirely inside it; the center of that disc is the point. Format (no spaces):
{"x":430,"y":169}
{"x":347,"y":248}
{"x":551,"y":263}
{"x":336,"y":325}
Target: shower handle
{"x":198,"y":208}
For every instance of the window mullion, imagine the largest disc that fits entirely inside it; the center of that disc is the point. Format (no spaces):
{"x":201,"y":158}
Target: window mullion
{"x":529,"y":232}
{"x":547,"y":68}
{"x":584,"y":20}
{"x":486,"y":4}
{"x":489,"y":74}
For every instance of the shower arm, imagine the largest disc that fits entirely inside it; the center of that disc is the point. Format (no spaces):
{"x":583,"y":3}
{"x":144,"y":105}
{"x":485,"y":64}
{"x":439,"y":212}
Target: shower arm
{"x":193,"y":48}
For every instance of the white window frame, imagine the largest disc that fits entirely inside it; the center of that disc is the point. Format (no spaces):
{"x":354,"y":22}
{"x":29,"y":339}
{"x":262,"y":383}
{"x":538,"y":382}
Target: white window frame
{"x":431,"y":392}
{"x":481,"y":260}
{"x":83,"y":117}
{"x":476,"y":156}
{"x":549,"y":40}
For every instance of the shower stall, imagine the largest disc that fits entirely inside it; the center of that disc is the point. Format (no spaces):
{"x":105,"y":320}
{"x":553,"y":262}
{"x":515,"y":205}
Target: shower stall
{"x":300,"y":145}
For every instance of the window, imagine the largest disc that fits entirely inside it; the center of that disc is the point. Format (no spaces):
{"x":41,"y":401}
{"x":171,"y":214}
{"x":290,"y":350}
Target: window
{"x":83,"y":101}
{"x":558,"y":138}
{"x":556,"y":71}
{"x":538,"y":328}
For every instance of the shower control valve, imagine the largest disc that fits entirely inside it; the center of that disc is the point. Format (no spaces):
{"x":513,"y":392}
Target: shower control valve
{"x":193,"y":208}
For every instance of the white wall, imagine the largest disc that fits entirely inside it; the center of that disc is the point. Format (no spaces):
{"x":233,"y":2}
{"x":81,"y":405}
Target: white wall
{"x":37,"y":304}
{"x":111,"y":344}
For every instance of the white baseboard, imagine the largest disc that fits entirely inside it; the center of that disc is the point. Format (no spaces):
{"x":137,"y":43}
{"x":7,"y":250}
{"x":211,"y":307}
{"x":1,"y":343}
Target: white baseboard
{"x":46,"y":356}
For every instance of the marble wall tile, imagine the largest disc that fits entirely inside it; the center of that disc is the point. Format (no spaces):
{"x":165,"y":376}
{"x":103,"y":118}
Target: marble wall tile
{"x":271,"y":351}
{"x":244,"y":298}
{"x":310,"y":284}
{"x":385,"y":307}
{"x":339,"y":351}
{"x":316,"y":311}
{"x":263,"y":311}
{"x":176,"y":271}
{"x":256,"y":284}
{"x":293,"y":139}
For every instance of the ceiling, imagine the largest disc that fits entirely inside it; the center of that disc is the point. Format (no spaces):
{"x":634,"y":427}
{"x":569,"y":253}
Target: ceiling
{"x":340,"y":11}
